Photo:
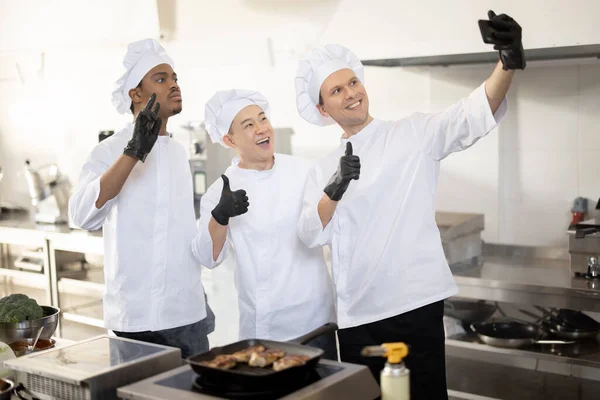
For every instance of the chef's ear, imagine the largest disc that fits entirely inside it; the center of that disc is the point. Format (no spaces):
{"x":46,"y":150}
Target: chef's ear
{"x":322,"y":111}
{"x":228,"y":140}
{"x":136,"y":96}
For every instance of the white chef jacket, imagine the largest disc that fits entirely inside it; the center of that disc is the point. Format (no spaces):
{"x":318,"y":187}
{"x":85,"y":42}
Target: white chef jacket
{"x":152,"y":278}
{"x":387,"y":255}
{"x":284,"y":288}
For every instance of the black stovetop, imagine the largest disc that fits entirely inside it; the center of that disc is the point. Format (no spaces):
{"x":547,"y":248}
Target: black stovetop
{"x":190,"y":381}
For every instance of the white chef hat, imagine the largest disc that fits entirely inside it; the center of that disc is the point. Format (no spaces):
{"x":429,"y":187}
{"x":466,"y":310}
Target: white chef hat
{"x":141,"y":57}
{"x":312,"y":71}
{"x":222,"y":108}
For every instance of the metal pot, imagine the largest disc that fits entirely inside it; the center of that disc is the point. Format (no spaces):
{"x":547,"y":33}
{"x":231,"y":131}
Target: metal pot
{"x":13,"y":331}
{"x":6,"y":388}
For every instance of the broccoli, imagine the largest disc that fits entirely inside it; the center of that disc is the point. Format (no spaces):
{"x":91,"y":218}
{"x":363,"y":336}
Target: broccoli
{"x":19,"y":307}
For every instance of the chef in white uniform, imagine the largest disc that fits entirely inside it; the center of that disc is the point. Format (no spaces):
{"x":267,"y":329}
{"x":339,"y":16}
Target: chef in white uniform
{"x":284,"y":288}
{"x":137,"y":186}
{"x":373,"y":201}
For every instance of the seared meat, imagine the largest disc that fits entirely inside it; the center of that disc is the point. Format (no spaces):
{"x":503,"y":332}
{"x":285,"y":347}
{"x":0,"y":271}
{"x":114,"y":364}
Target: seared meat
{"x":244,"y":355}
{"x":291,"y":360}
{"x":265,"y":358}
{"x":223,"y":361}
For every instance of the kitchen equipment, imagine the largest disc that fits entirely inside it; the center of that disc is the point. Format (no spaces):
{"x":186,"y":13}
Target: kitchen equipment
{"x":259,"y":379}
{"x":328,"y":380}
{"x":31,"y":260}
{"x":92,"y":369}
{"x":580,"y":206}
{"x":593,"y":268}
{"x":469,"y":311}
{"x":198,"y":170}
{"x":461,"y":236}
{"x":25,"y":346}
{"x":6,"y":388}
{"x":13,"y":331}
{"x":49,"y":192}
{"x":584,"y":243}
{"x":395,"y":377}
{"x":556,"y":327}
{"x":512,"y":334}
{"x":572,"y":318}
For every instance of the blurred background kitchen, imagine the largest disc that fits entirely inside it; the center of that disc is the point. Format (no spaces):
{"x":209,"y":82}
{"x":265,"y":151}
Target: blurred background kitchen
{"x":507,"y":208}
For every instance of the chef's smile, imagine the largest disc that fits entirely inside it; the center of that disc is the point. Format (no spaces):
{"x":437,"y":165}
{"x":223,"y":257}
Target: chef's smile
{"x":264,"y":143}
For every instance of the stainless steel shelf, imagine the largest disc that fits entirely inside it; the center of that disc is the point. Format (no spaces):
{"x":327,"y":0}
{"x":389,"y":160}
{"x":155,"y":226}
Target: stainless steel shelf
{"x":544,"y":282}
{"x":586,"y":365}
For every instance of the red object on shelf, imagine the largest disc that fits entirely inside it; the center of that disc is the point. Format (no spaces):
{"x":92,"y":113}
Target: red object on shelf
{"x":577,"y":218}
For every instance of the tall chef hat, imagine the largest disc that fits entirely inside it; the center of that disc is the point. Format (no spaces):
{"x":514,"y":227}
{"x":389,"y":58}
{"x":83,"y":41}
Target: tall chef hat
{"x":312,"y":71}
{"x":140,"y":58}
{"x":223,"y":106}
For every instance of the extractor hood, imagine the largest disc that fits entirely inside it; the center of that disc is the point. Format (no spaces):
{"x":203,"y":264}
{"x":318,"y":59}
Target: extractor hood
{"x":583,"y":52}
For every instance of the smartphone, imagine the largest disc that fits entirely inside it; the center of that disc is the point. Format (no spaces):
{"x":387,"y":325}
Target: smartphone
{"x":485,"y":27}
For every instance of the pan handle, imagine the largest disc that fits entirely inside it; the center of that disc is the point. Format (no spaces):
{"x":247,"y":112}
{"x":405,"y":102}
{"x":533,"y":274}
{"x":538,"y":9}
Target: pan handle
{"x":553,"y":341}
{"x":328,"y":327}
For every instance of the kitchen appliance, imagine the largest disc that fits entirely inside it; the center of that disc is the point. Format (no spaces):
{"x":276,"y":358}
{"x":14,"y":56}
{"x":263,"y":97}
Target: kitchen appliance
{"x":92,"y":369}
{"x":328,"y":380}
{"x":197,"y":158}
{"x":198,"y":170}
{"x":50,"y":192}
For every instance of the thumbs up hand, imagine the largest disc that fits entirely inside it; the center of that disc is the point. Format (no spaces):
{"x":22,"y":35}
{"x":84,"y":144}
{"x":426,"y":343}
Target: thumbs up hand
{"x":348,"y":169}
{"x":231,"y":203}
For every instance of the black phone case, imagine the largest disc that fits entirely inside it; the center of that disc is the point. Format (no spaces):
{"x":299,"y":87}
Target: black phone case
{"x":485,"y":27}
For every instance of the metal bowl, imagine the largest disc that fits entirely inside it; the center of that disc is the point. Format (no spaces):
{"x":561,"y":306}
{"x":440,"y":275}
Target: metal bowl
{"x":6,"y":388}
{"x":12,"y":331}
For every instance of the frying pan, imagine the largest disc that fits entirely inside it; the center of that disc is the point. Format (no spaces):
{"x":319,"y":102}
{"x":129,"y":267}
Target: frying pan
{"x":253,"y":378}
{"x":555,"y":326}
{"x":512,"y":335}
{"x":575,"y":319}
{"x":469,"y":311}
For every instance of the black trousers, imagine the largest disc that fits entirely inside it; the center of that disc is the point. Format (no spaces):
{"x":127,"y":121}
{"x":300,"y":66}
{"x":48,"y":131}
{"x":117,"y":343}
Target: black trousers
{"x":422,"y":330}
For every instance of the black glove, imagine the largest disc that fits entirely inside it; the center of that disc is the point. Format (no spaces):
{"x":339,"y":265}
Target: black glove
{"x":505,"y":34}
{"x":348,"y":169}
{"x":145,"y":131}
{"x":231,"y":203}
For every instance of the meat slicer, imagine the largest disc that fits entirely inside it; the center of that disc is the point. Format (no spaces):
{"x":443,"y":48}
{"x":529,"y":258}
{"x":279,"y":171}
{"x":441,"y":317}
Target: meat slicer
{"x":49,"y":191}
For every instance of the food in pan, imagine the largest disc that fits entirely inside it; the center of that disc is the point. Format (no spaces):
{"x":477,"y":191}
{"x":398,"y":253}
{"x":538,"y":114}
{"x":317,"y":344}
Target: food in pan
{"x":265,"y":358}
{"x":244,"y":355}
{"x":223,"y":361}
{"x":290,"y":360}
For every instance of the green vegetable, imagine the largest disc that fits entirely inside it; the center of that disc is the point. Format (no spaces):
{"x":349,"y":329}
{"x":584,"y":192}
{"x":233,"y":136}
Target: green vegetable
{"x":18,"y":308}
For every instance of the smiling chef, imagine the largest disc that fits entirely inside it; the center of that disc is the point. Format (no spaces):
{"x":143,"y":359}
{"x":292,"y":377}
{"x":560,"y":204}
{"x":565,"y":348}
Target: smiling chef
{"x":284,"y":288}
{"x":373,"y":201}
